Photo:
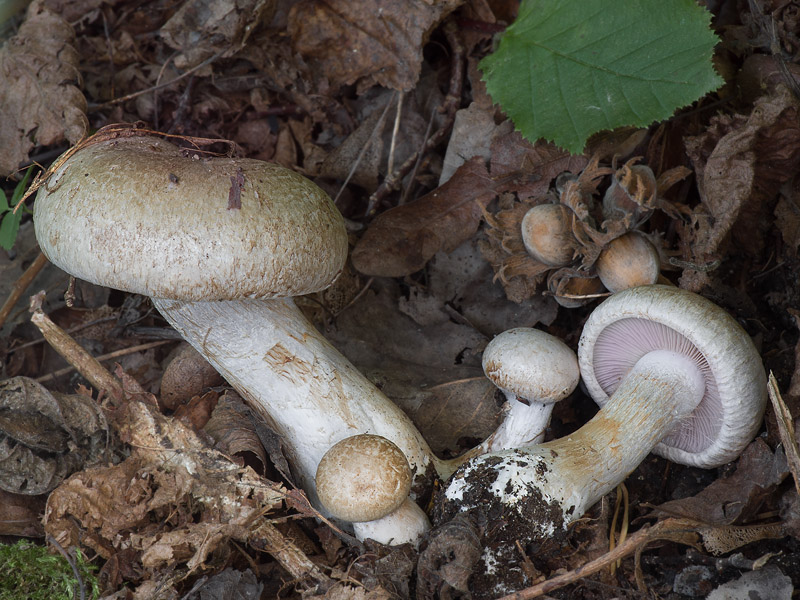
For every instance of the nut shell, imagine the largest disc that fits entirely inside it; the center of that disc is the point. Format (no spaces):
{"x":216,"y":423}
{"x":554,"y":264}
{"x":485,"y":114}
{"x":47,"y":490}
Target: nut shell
{"x":547,"y":234}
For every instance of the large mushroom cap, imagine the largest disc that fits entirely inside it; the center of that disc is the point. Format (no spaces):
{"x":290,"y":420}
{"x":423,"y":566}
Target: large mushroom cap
{"x":142,"y":215}
{"x":634,"y":322}
{"x":532,"y":364}
{"x":363,"y":478}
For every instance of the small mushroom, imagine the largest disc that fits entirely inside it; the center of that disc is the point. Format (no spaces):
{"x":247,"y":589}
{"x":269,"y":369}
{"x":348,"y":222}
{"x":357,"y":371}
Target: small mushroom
{"x":547,"y":234}
{"x":674,"y":374}
{"x":628,"y":261}
{"x":220,"y":245}
{"x":534,"y":370}
{"x":366,"y":478}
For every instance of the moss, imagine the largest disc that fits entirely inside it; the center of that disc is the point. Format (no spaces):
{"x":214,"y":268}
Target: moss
{"x":32,"y":572}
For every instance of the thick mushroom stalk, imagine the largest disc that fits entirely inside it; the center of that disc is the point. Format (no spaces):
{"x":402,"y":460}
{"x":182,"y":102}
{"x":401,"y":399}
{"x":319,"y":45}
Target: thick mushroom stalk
{"x":221,"y":245}
{"x":674,"y":374}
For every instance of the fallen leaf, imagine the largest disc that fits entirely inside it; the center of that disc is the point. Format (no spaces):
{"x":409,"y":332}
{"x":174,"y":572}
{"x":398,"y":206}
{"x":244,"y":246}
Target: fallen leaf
{"x":202,"y":28}
{"x":403,"y":239}
{"x":40,"y":100}
{"x":366,"y":41}
{"x":744,"y":170}
{"x":738,"y":497}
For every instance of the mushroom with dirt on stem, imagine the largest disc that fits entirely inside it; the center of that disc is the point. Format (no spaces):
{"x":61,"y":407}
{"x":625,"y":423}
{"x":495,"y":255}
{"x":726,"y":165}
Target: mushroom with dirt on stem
{"x":221,"y":245}
{"x":674,"y":374}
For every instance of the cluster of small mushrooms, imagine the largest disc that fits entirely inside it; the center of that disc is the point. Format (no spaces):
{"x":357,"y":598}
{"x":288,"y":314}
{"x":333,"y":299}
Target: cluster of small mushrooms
{"x":578,"y":246}
{"x":221,"y":246}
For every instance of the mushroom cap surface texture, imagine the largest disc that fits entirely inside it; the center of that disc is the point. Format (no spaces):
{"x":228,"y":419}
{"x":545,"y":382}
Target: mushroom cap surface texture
{"x":639,"y":320}
{"x":363,"y":478}
{"x":531,"y":364}
{"x":141,"y":215}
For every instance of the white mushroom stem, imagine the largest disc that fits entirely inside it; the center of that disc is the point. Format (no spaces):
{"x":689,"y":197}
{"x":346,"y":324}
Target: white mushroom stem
{"x":311,"y":395}
{"x":574,"y":472}
{"x":403,"y":526}
{"x":523,"y":424}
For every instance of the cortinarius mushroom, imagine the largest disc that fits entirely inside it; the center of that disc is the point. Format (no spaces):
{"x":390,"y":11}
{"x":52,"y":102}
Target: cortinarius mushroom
{"x":364,"y":479}
{"x":674,"y":374}
{"x":219,"y":245}
{"x":534,"y":370}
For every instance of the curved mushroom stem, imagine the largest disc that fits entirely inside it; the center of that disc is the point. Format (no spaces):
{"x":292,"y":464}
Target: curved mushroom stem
{"x":567,"y":476}
{"x":311,"y":394}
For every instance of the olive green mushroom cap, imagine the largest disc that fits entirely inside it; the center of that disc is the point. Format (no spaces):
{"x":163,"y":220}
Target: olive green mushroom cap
{"x":140,"y":214}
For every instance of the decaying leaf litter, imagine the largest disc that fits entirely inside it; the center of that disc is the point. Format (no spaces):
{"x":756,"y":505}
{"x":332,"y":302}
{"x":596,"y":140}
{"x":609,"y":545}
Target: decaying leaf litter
{"x":436,"y":184}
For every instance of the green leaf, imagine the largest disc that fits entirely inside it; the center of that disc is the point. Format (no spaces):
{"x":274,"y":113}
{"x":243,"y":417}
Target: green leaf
{"x":565,"y":70}
{"x":8,"y":229}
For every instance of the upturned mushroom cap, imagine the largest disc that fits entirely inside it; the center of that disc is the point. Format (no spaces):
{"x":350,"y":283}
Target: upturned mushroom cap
{"x":142,"y":215}
{"x":634,"y":322}
{"x":531,"y":364}
{"x":363,"y":478}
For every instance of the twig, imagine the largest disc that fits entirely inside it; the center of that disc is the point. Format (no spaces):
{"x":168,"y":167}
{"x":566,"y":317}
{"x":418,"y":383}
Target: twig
{"x":86,"y":364}
{"x":81,"y":585}
{"x":21,"y":285}
{"x":105,"y":357}
{"x":133,"y":95}
{"x":266,"y":537}
{"x":671,"y":529}
{"x":448,"y":108}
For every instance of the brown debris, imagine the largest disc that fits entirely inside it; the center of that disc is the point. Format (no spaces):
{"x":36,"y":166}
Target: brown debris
{"x":40,"y":98}
{"x":367,"y":43}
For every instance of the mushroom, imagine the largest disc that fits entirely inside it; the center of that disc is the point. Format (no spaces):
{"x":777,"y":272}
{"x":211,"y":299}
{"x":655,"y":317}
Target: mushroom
{"x":674,"y":374}
{"x":364,"y":479}
{"x":628,"y":261}
{"x":220,"y":245}
{"x":534,"y":370}
{"x":547,"y":234}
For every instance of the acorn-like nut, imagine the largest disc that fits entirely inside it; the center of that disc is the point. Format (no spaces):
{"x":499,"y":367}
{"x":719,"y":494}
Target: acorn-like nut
{"x":628,"y":261}
{"x":547,"y":234}
{"x":569,"y":293}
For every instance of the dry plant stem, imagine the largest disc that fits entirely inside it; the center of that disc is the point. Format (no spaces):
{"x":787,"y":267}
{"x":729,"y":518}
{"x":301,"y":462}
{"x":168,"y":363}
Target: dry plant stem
{"x":265,"y":536}
{"x":785,"y":429}
{"x":448,"y":108}
{"x":105,"y":357}
{"x":21,"y":285}
{"x":663,"y":530}
{"x":83,"y":362}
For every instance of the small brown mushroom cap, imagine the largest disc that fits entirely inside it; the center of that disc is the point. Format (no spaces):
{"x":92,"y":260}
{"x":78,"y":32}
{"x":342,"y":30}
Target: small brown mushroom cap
{"x":363,"y":478}
{"x":141,"y":215}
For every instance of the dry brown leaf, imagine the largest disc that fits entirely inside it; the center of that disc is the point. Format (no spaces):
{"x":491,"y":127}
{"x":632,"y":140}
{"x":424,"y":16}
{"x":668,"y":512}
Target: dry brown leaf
{"x":738,"y":497}
{"x":186,"y":375}
{"x":401,"y":240}
{"x":202,"y":28}
{"x":744,"y":170}
{"x":151,"y":501}
{"x":21,"y":515}
{"x":46,"y":437}
{"x":366,"y":41}
{"x":40,"y":99}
